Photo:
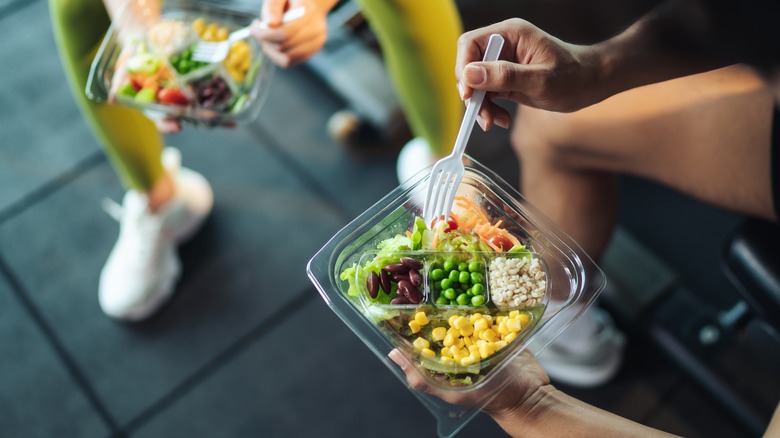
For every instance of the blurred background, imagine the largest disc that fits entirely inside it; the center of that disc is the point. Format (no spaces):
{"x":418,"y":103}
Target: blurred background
{"x":247,"y":347}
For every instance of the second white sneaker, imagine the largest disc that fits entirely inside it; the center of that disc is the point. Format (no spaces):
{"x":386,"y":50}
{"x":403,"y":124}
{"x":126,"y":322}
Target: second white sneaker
{"x":143,"y":266}
{"x":586,"y":355}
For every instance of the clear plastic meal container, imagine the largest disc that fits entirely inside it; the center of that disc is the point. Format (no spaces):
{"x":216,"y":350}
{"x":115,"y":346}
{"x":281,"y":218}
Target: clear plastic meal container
{"x":412,"y":299}
{"x":150,"y":67}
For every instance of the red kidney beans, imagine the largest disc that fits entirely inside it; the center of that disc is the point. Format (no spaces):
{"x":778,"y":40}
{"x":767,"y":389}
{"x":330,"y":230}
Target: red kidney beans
{"x":414,"y":277}
{"x":411,"y":263}
{"x":406,"y":273}
{"x":372,"y":283}
{"x":384,"y":280}
{"x":400,"y":300}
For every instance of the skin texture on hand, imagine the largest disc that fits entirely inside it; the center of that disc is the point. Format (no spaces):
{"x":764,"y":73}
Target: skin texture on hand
{"x":524,"y":376}
{"x":290,"y":44}
{"x":534,"y":69}
{"x":522,"y":401}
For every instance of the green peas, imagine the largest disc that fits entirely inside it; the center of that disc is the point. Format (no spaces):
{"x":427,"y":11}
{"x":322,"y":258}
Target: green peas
{"x":477,"y":300}
{"x":458,"y":282}
{"x":449,"y":265}
{"x":449,"y":294}
{"x":183,"y":62}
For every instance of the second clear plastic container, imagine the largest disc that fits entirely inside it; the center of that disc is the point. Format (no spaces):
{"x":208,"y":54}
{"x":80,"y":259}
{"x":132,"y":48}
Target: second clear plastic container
{"x":243,"y":83}
{"x":384,"y":311}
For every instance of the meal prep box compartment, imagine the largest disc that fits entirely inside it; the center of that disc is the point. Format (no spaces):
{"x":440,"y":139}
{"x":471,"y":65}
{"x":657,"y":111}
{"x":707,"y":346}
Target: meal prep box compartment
{"x":417,"y":323}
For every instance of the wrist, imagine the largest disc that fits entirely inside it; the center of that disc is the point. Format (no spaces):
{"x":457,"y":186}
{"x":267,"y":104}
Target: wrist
{"x":607,"y":56}
{"x":524,"y":418}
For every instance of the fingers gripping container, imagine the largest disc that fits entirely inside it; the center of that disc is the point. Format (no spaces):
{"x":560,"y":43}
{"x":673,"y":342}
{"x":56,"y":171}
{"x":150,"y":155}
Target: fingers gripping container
{"x":149,"y":66}
{"x":460,"y":316}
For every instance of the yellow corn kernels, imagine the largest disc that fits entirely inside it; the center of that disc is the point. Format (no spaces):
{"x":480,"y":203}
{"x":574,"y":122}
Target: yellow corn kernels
{"x":471,"y":338}
{"x":199,"y":25}
{"x":415,"y":326}
{"x":524,"y":319}
{"x":439,"y":333}
{"x":421,"y":318}
{"x":421,"y":343}
{"x":468,"y":360}
{"x":461,"y":322}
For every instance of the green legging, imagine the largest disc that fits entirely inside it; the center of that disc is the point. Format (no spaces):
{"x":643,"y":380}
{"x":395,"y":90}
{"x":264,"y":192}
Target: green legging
{"x":419,"y":44}
{"x":131,"y":141}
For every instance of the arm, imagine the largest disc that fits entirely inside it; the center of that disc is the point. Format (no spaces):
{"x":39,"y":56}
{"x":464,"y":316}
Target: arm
{"x":553,"y":413}
{"x":528,"y":405}
{"x":539,"y":70}
{"x":672,"y":40}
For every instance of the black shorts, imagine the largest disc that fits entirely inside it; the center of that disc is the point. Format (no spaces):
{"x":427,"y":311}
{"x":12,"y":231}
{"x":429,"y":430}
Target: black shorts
{"x":775,"y":158}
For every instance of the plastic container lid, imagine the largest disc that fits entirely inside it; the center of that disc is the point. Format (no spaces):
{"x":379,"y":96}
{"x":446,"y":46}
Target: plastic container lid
{"x":241,"y":86}
{"x":387,"y":316}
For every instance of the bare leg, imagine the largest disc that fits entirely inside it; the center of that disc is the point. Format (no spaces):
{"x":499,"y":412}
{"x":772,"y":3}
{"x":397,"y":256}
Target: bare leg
{"x":706,"y":135}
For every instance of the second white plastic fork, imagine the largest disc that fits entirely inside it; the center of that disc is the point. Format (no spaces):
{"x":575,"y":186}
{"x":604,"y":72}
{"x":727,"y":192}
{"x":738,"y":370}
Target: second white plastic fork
{"x":446,"y":173}
{"x":217,"y":51}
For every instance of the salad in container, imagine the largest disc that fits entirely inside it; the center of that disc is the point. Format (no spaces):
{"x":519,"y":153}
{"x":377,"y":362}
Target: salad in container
{"x":459,"y":297}
{"x":152,"y":67}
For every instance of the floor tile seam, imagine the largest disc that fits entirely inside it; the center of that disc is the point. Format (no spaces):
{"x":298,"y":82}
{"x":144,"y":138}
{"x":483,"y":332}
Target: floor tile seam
{"x":65,"y":358}
{"x":14,"y":6}
{"x":232,"y":351}
{"x":51,"y":186}
{"x":306,"y":177}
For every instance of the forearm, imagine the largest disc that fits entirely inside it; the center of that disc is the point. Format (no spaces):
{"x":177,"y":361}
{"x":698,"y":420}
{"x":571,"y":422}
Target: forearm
{"x":670,"y":41}
{"x":551,"y":413}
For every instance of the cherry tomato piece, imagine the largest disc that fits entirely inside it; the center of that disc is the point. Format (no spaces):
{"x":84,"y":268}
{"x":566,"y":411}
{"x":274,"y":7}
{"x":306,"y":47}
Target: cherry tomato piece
{"x":501,"y":242}
{"x":172,"y":96}
{"x":451,"y":224}
{"x":137,"y":81}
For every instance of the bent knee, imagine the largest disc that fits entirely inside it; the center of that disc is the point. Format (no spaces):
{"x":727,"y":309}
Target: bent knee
{"x":542,"y":137}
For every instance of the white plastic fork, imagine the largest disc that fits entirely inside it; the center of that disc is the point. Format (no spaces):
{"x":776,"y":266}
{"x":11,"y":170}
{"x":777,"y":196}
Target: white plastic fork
{"x":446,"y":173}
{"x":212,"y":52}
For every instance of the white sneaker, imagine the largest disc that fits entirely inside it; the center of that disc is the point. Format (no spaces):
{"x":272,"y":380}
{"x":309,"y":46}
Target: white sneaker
{"x":142,"y":269}
{"x":588,"y":354}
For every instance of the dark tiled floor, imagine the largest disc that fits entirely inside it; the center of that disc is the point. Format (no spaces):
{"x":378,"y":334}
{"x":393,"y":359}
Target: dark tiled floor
{"x":239,"y":351}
